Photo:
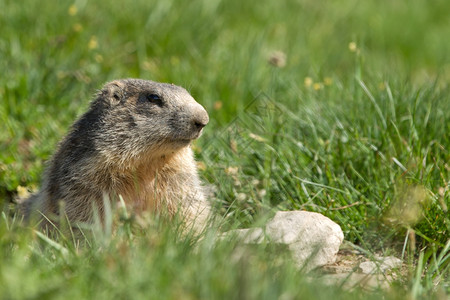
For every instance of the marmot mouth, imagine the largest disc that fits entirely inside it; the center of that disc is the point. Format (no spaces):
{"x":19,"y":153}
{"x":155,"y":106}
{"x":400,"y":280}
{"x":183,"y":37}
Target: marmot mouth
{"x":192,"y":136}
{"x":197,"y":134}
{"x":185,"y":139}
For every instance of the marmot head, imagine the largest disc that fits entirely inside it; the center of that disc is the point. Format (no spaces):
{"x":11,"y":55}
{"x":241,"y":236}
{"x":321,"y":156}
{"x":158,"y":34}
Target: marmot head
{"x":145,"y":116}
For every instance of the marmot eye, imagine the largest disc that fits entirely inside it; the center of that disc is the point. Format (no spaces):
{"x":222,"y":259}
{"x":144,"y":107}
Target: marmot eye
{"x":154,"y":98}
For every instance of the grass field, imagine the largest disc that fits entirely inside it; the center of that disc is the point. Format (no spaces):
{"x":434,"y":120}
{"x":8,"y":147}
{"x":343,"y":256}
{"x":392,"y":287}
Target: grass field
{"x":338,"y":107}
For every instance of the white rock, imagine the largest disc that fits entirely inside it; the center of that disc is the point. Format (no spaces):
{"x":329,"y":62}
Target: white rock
{"x":390,"y":262}
{"x":381,"y":265}
{"x":313,"y":238}
{"x":368,"y":267}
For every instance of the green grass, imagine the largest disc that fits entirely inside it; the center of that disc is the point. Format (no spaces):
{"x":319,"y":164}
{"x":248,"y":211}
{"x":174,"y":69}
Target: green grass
{"x":360,"y":135}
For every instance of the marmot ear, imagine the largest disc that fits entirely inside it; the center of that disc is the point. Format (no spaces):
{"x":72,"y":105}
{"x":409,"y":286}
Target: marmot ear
{"x":114,"y":92}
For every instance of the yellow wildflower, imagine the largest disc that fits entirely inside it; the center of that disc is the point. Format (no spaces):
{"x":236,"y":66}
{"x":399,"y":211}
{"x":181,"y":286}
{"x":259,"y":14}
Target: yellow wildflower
{"x":93,"y":42}
{"x":22,"y":192}
{"x":317,"y":86}
{"x":308,"y":81}
{"x":73,"y":10}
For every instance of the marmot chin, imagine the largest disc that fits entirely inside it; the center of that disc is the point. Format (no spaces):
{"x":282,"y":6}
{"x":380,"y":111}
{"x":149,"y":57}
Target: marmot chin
{"x":134,"y":142}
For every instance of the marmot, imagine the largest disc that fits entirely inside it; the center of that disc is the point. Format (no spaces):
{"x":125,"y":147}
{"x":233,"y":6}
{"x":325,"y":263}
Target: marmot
{"x":134,"y":142}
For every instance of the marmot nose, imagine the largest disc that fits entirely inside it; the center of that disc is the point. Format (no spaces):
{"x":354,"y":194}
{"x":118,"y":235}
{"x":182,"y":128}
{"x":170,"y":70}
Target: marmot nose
{"x":200,"y":123}
{"x":201,"y":118}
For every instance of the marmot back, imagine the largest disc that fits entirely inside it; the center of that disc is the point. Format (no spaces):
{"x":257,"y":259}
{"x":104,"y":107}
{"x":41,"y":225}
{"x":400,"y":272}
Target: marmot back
{"x":134,"y":141}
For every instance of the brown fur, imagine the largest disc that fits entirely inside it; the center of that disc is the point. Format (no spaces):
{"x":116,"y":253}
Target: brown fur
{"x":132,"y":144}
